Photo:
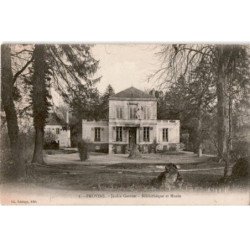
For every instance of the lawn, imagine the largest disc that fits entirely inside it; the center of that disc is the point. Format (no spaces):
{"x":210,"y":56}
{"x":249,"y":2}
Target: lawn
{"x":118,"y":173}
{"x":102,"y":172}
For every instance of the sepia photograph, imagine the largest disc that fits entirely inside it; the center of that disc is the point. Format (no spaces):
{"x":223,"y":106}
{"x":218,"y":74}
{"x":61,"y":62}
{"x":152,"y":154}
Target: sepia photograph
{"x":125,"y":123}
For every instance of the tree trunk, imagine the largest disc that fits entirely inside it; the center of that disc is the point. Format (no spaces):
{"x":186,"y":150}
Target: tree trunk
{"x":199,"y":135}
{"x":224,"y":53}
{"x":39,"y":101}
{"x":18,"y":169}
{"x":230,"y":122}
{"x":38,"y":150}
{"x":221,"y":107}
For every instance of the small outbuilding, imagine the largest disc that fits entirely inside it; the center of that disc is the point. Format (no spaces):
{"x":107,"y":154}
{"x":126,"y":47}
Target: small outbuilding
{"x":59,"y":128}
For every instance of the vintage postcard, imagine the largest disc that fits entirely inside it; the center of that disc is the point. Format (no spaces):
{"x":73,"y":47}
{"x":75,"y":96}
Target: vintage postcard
{"x":127,"y":124}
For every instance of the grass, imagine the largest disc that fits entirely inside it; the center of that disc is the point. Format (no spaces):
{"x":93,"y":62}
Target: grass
{"x":59,"y":151}
{"x":128,"y":177}
{"x":117,"y":173}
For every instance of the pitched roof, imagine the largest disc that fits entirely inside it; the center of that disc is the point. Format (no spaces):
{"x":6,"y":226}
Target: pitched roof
{"x":53,"y":119}
{"x":132,"y":93}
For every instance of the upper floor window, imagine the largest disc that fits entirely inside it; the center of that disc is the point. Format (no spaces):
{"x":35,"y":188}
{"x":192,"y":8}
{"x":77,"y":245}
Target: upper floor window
{"x":119,"y":112}
{"x":132,"y":111}
{"x":57,"y":131}
{"x":146,"y":113}
{"x":146,"y":133}
{"x":118,"y":133}
{"x":97,"y":134}
{"x":165,"y":134}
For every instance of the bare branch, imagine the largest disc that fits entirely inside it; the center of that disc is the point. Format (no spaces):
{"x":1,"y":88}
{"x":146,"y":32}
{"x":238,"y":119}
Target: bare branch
{"x":22,"y":70}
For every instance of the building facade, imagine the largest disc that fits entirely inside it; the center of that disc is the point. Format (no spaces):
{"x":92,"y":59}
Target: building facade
{"x":132,"y":121}
{"x":59,"y":129}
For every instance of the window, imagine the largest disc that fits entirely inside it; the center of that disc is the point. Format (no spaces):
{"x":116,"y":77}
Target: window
{"x":57,"y":131}
{"x":118,"y":133}
{"x":146,"y":133}
{"x":165,"y":134}
{"x":146,"y":113}
{"x":119,"y":112}
{"x":132,"y":112}
{"x":97,"y":134}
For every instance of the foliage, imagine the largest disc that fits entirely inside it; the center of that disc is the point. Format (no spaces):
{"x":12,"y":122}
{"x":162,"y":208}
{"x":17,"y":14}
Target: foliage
{"x":241,"y":168}
{"x":50,"y":140}
{"x":104,"y":103}
{"x":212,"y":82}
{"x":26,"y":148}
{"x":241,"y":149}
{"x":69,"y":70}
{"x":134,"y":152}
{"x":83,"y":149}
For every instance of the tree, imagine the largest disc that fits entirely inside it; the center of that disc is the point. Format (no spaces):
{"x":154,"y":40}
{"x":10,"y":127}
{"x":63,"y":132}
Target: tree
{"x":69,"y":69}
{"x":8,"y":96}
{"x":40,"y":102}
{"x":104,"y":107}
{"x":181,"y":59}
{"x":72,"y":70}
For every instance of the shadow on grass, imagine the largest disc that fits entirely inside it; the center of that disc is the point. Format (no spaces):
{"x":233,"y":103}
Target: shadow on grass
{"x":129,"y":177}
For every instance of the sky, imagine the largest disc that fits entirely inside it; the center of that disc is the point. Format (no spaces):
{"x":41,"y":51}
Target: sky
{"x":122,"y":66}
{"x":125,"y":65}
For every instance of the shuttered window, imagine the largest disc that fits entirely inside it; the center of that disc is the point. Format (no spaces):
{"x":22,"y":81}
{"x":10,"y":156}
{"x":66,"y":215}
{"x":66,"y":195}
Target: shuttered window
{"x":97,"y":134}
{"x":119,"y":112}
{"x":132,"y":112}
{"x":165,"y":134}
{"x":146,"y":133}
{"x":118,"y":133}
{"x":146,"y":111}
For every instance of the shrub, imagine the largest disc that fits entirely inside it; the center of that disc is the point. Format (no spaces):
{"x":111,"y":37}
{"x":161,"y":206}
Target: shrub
{"x":50,"y":140}
{"x":241,"y":168}
{"x":240,"y":150}
{"x":153,"y":147}
{"x":83,"y":149}
{"x":27,"y":144}
{"x":172,"y":148}
{"x":26,"y":147}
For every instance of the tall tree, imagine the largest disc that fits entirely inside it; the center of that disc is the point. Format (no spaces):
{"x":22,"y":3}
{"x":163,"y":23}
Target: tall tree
{"x":70,"y":69}
{"x":40,"y":95}
{"x":104,"y":107}
{"x":180,"y":59}
{"x":7,"y":92}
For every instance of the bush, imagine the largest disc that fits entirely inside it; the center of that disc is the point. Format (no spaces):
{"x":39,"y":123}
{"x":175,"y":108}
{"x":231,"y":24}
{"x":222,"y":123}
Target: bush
{"x":172,"y":148}
{"x":241,"y":168}
{"x":27,"y":144}
{"x":240,"y":150}
{"x":50,"y":140}
{"x":153,"y":147}
{"x":83,"y":149}
{"x":26,"y":149}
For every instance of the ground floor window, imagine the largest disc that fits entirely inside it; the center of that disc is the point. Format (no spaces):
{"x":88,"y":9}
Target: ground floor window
{"x":146,"y":133}
{"x":118,"y":133}
{"x":57,"y":131}
{"x":165,"y":134}
{"x":97,"y":134}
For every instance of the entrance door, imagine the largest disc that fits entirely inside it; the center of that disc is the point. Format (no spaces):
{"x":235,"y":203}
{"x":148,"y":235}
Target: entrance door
{"x":132,"y":137}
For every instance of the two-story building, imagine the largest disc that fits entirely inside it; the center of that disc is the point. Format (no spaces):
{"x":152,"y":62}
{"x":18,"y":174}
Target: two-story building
{"x":132,"y":120}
